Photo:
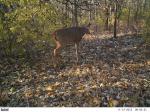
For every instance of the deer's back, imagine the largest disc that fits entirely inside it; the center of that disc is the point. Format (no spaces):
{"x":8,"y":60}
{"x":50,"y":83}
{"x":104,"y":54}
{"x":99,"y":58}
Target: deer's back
{"x":70,"y":35}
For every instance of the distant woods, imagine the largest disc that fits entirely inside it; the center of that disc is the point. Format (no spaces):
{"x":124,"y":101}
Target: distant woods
{"x":26,"y":23}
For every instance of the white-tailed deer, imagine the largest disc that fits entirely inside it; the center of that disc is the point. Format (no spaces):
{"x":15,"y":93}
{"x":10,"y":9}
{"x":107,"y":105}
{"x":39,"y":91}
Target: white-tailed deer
{"x":69,"y":35}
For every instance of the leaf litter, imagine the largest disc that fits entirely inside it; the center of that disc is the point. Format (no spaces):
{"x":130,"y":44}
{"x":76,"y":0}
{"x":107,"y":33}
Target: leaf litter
{"x":110,"y":73}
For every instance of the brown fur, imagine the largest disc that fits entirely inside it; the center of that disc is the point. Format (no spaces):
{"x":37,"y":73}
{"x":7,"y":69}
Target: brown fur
{"x":66,"y":36}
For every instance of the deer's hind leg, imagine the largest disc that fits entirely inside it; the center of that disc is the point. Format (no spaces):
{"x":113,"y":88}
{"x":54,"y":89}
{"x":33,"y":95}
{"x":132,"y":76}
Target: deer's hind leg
{"x":58,"y":46}
{"x":56,"y":51}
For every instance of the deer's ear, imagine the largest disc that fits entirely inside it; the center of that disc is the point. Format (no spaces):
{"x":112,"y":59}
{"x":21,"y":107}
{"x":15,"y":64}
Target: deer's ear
{"x":88,"y":26}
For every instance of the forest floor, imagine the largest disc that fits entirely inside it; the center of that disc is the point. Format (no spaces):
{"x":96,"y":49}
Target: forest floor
{"x":111,"y":72}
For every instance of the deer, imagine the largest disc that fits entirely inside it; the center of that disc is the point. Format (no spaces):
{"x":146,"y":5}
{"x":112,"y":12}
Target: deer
{"x":70,"y":35}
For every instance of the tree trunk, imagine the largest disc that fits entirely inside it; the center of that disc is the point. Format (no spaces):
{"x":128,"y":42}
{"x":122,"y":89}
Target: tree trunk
{"x":75,"y":16}
{"x":107,"y":16}
{"x":66,"y":7}
{"x":107,"y":19}
{"x":90,"y":14}
{"x":115,"y":21}
{"x":128,"y":21}
{"x":136,"y":13}
{"x":115,"y":27}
